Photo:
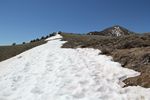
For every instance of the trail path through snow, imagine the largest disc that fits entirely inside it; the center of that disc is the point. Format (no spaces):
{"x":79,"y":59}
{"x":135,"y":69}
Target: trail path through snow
{"x":48,"y":72}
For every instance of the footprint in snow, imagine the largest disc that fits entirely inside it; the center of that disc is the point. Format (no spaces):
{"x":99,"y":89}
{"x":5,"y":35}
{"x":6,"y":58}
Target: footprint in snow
{"x":36,"y":90}
{"x":26,"y":68}
{"x":78,"y":95}
{"x":84,"y":82}
{"x":7,"y":93}
{"x":16,"y":78}
{"x":3,"y":99}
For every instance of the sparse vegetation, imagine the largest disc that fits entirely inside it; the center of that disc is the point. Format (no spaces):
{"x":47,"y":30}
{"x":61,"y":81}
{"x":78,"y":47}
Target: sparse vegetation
{"x":13,"y":44}
{"x":42,"y":37}
{"x":23,"y":43}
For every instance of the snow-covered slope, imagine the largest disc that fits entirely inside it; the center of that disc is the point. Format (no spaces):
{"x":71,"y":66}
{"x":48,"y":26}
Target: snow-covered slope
{"x":49,"y":72}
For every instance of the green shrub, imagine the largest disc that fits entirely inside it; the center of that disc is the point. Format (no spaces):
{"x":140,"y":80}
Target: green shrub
{"x":14,"y":44}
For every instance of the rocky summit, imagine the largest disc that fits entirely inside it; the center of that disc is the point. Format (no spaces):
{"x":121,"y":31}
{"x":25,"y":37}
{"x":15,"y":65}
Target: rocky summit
{"x":112,"y":31}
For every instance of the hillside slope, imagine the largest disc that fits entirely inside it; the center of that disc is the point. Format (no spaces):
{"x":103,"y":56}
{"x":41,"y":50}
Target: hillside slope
{"x":132,"y":51}
{"x":49,"y":72}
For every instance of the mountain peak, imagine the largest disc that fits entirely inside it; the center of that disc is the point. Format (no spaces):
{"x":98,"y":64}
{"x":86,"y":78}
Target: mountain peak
{"x":115,"y":30}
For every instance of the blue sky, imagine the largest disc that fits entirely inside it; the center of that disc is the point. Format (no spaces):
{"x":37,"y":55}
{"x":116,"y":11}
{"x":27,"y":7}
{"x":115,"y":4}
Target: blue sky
{"x":23,"y":20}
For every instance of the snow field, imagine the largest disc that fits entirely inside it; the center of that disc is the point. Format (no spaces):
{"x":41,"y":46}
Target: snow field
{"x":49,"y":72}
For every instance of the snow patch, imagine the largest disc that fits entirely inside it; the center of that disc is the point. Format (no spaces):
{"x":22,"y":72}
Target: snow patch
{"x":57,"y":36}
{"x":116,"y":31}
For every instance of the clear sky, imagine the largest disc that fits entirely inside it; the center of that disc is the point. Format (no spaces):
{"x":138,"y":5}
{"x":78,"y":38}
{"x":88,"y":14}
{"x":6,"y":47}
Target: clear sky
{"x":23,"y":20}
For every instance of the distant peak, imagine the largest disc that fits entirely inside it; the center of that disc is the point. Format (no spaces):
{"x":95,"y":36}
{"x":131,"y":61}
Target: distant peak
{"x":115,"y":30}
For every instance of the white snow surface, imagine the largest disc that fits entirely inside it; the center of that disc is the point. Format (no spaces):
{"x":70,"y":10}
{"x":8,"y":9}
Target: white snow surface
{"x":49,"y":72}
{"x":116,"y":31}
{"x":54,"y":37}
